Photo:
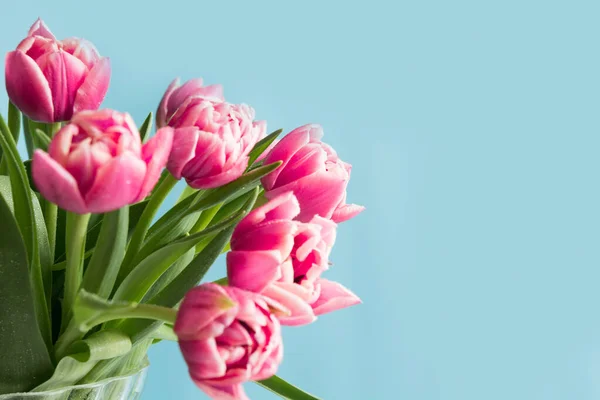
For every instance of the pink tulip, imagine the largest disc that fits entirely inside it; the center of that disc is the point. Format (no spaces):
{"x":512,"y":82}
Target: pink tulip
{"x":178,"y":95}
{"x":212,"y":141}
{"x":314,"y":172}
{"x":49,"y":80}
{"x":97,"y":163}
{"x":228,"y":336}
{"x":283,"y":259}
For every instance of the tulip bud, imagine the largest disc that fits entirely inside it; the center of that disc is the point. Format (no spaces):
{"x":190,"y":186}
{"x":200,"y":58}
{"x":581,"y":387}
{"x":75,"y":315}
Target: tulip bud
{"x":313,"y":171}
{"x":49,"y":80}
{"x":284,"y":259}
{"x":228,"y":336}
{"x":97,"y":163}
{"x":212,"y":138}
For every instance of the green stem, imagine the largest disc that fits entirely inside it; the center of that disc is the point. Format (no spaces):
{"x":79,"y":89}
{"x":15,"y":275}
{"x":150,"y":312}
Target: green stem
{"x":51,"y":209}
{"x":75,"y":242}
{"x":145,"y":311}
{"x":76,"y":331}
{"x":66,"y":339}
{"x":141,"y":229}
{"x":52,"y":128}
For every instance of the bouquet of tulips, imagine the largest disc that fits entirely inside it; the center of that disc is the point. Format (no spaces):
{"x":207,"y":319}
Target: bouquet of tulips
{"x":90,"y":277}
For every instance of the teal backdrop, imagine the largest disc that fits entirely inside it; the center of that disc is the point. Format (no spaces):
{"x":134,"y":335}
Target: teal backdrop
{"x":473,"y":129}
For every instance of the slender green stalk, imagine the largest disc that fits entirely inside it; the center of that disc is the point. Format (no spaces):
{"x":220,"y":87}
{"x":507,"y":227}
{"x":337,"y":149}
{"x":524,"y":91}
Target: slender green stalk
{"x":51,"y":209}
{"x":75,"y":242}
{"x":145,"y":311}
{"x":76,"y":331}
{"x":139,"y":234}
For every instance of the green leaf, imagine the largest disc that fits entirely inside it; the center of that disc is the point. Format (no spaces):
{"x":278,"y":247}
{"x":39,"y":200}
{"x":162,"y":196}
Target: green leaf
{"x":84,"y":355}
{"x":129,"y":363}
{"x":150,"y":269}
{"x":165,"y":332}
{"x":28,"y":127}
{"x":40,"y":139}
{"x":25,"y":217}
{"x":14,"y":121}
{"x":170,"y":274}
{"x":174,"y":292}
{"x":146,"y":127}
{"x":242,"y":185}
{"x":262,"y":145}
{"x":103,"y":268}
{"x":286,"y":390}
{"x":25,"y":358}
{"x":135,"y":211}
{"x":141,"y":229}
{"x":42,"y":235}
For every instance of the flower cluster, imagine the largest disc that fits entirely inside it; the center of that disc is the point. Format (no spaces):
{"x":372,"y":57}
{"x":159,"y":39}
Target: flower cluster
{"x":279,"y":252}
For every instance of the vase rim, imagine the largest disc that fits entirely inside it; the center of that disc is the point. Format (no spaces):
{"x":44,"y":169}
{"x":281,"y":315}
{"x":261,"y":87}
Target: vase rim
{"x":92,"y":385}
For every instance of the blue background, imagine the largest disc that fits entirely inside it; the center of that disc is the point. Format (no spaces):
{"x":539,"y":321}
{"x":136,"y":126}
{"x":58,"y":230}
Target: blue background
{"x":473,"y":128}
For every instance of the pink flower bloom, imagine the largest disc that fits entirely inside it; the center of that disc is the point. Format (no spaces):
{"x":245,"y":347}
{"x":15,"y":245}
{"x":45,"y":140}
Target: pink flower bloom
{"x":314,"y":172}
{"x":228,"y":336}
{"x":177,"y":95}
{"x":212,"y":141}
{"x":283,"y":259}
{"x":49,"y":80}
{"x":97,"y":163}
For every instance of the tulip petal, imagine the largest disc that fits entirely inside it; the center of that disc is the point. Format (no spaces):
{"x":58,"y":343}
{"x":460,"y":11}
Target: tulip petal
{"x":162,"y":111}
{"x":56,"y":184}
{"x":203,"y":358}
{"x":253,"y":270}
{"x":181,"y":93}
{"x":205,"y":312}
{"x":90,"y":94}
{"x":193,"y":88}
{"x":209,"y":156}
{"x":27,"y":87}
{"x":222,"y":178}
{"x":117,"y":183}
{"x":213,"y":92}
{"x":275,"y":235}
{"x":183,"y":149}
{"x":39,"y":28}
{"x":333,"y":297}
{"x":155,"y":154}
{"x":60,"y":146}
{"x":270,"y":365}
{"x":284,"y":206}
{"x":301,"y":312}
{"x":284,"y":151}
{"x":231,"y":392}
{"x":308,"y":160}
{"x":64,"y":74}
{"x":317,"y":194}
{"x":345,"y":212}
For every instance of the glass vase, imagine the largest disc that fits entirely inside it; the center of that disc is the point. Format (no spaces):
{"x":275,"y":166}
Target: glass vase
{"x":127,"y":387}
